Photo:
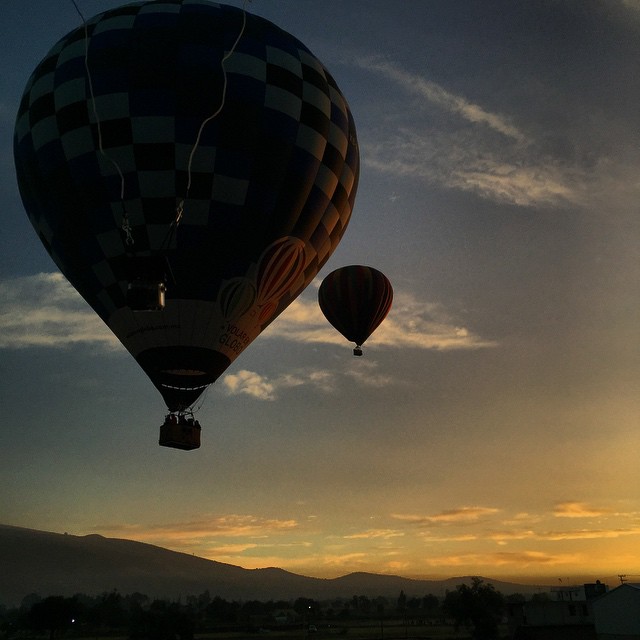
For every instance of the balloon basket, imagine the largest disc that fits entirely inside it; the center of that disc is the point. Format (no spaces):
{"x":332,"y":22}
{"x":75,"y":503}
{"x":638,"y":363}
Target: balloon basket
{"x":357,"y":351}
{"x":146,"y":296}
{"x":180,"y":432}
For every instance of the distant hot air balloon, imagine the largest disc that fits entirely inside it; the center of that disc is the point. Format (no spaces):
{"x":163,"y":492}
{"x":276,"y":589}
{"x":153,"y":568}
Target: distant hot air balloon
{"x":355,"y":300}
{"x":189,"y":167}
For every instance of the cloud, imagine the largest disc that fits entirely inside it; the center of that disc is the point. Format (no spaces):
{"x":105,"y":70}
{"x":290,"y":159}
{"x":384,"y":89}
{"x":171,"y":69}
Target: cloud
{"x":222,"y":526}
{"x":634,"y":5}
{"x":467,"y":537}
{"x":354,"y":559}
{"x":472,"y":161}
{"x":453,"y":142}
{"x":367,"y":375}
{"x":521,"y":185}
{"x":249,"y":383}
{"x":255,"y":541}
{"x":519,"y":559}
{"x":588,"y":534}
{"x":504,"y":536}
{"x":232,"y":549}
{"x":578,"y":510}
{"x":43,"y":310}
{"x":461,"y":515}
{"x":577,"y":534}
{"x":261,"y":387}
{"x":411,"y":323}
{"x":424,"y":325}
{"x":437,"y":95}
{"x":375,"y":533}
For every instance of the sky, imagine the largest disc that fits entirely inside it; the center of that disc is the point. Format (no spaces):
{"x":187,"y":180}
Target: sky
{"x":493,"y":425}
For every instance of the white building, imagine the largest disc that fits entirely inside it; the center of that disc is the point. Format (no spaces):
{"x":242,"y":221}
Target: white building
{"x":617,"y":613}
{"x":564,"y":613}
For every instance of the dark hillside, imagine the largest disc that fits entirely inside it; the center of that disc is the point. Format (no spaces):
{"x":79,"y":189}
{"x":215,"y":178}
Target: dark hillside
{"x":60,"y":564}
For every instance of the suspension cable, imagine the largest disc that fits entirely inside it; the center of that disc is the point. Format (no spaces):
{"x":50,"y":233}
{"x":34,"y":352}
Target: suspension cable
{"x":180,"y":208}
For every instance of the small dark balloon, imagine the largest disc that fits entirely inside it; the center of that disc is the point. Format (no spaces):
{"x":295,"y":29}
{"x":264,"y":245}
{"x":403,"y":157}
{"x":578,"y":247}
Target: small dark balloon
{"x":355,"y":300}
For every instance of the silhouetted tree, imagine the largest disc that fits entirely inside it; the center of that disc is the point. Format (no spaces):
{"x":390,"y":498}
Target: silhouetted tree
{"x":364,"y":604}
{"x":306,"y":606}
{"x":478,"y":607}
{"x":221,"y":611}
{"x":29,"y":600}
{"x":430,"y":602}
{"x":54,"y":614}
{"x":136,"y":598}
{"x":11,"y":622}
{"x":167,"y":621}
{"x":109,"y":611}
{"x":515,"y":598}
{"x":431,"y":607}
{"x":402,"y":602}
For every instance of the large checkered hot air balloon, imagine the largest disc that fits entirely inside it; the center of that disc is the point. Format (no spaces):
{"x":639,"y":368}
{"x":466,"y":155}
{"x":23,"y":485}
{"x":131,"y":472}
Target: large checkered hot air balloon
{"x":189,"y":167}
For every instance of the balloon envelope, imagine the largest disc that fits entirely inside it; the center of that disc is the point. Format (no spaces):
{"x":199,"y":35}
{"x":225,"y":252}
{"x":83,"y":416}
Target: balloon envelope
{"x":105,"y":152}
{"x":355,"y":300}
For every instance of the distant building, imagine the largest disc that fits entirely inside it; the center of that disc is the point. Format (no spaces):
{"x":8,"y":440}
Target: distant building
{"x":617,"y":613}
{"x":285,"y":616}
{"x":563,"y":613}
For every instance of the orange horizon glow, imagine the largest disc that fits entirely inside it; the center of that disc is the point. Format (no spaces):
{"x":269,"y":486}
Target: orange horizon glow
{"x":572,"y":542}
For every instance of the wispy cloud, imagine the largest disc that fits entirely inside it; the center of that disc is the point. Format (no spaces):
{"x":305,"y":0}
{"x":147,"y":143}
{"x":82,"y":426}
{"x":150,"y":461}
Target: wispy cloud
{"x":367,"y":375}
{"x":420,"y":324}
{"x":261,"y":387}
{"x":483,"y":151}
{"x":375,"y":533}
{"x":470,"y":537}
{"x":452,"y":525}
{"x":438,"y":95}
{"x":233,"y":549}
{"x":468,"y":161}
{"x":459,"y":515}
{"x":43,"y":310}
{"x":461,"y":537}
{"x":221,"y":526}
{"x":634,"y":5}
{"x":249,"y":383}
{"x":411,"y":323}
{"x":503,"y":172}
{"x":520,"y":559}
{"x":569,"y":534}
{"x":588,"y":534}
{"x":578,"y":510}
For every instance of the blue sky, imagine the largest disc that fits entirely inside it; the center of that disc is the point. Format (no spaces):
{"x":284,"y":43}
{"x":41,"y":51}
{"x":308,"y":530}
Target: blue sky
{"x":492,"y":425}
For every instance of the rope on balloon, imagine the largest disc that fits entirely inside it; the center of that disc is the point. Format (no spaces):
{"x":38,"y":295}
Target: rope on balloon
{"x":200,"y":401}
{"x":126,"y":227}
{"x":180,"y":208}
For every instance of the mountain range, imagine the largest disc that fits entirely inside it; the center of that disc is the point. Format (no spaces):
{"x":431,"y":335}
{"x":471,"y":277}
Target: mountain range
{"x":46,"y":563}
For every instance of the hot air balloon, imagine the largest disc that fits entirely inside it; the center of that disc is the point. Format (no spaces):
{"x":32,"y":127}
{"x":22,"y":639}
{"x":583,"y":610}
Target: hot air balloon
{"x":355,"y":300}
{"x":189,"y":167}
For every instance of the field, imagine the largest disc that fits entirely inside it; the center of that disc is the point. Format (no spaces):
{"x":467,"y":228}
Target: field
{"x":352,"y":632}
